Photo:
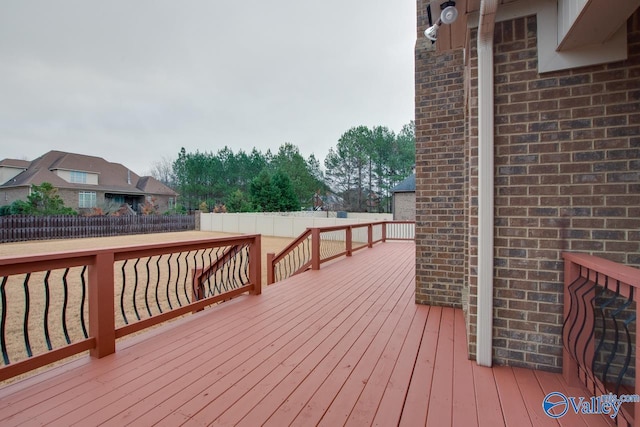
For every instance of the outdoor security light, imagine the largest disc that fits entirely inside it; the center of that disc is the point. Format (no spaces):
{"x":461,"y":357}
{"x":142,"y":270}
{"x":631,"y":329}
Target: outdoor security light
{"x":449,"y":12}
{"x":448,"y":16}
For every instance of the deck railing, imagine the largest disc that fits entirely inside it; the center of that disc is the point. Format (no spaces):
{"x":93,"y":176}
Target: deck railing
{"x":56,"y":305}
{"x":599,"y":329}
{"x":318,"y":245}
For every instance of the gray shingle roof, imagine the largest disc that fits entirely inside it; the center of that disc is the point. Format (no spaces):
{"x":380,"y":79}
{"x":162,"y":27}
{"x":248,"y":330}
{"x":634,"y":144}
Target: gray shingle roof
{"x":406,"y":186}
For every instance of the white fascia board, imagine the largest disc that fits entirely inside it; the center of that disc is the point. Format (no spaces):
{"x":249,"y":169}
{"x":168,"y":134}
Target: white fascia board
{"x":549,"y":58}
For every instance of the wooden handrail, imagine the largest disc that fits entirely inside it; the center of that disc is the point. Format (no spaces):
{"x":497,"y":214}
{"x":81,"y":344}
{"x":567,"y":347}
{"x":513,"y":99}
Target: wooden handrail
{"x":316,"y":233}
{"x":101,"y":291}
{"x":292,"y":245}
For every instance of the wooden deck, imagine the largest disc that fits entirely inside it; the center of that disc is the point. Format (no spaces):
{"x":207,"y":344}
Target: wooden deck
{"x":342,"y":345}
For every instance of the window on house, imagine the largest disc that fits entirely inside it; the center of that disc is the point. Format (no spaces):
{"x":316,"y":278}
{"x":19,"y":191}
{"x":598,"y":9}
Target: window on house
{"x":78,"y":177}
{"x":87,"y":199}
{"x":172,"y":203}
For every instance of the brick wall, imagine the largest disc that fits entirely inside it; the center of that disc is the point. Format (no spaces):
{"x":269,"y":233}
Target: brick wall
{"x":567,"y":165}
{"x":567,"y":157}
{"x":440,"y":176}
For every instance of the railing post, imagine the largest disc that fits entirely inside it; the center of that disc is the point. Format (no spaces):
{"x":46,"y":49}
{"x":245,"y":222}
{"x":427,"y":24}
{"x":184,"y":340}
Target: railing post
{"x":101,"y":306}
{"x":349,"y":240}
{"x":196,"y":289}
{"x":384,"y":231}
{"x":255,"y":265}
{"x":270,"y":268}
{"x":315,"y":249}
{"x":569,"y":365}
{"x":370,"y":236}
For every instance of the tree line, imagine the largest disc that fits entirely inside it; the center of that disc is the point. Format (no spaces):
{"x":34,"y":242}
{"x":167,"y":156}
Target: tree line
{"x":358,"y":175}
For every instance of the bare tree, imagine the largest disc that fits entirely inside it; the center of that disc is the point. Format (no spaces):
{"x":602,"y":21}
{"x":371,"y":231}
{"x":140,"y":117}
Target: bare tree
{"x":162,"y":170}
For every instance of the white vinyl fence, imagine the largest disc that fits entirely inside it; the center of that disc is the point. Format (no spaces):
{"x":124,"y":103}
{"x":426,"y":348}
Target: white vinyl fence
{"x":287,"y":224}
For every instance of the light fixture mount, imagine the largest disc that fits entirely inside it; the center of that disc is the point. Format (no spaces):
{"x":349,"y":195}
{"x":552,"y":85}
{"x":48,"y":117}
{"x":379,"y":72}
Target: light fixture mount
{"x":449,"y":12}
{"x":448,"y":16}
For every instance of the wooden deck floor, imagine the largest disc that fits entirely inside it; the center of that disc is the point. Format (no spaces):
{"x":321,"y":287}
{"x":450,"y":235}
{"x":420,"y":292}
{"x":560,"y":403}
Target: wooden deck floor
{"x":343,"y":345}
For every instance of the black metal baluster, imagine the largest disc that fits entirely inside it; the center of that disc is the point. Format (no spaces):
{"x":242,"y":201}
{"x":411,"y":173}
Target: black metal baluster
{"x":217,"y":286}
{"x":601,"y":312}
{"x":247,"y":263}
{"x":186,"y":276}
{"x":25,"y":325}
{"x":195,"y":267}
{"x":134,"y":299}
{"x":212,"y":281}
{"x":146,"y":287}
{"x":47,"y":302}
{"x":235,"y":271}
{"x":169,"y":280}
{"x":65,"y":300}
{"x":307,"y":250}
{"x":206,"y":290}
{"x":83,"y":283}
{"x":577,"y":285}
{"x":627,"y":360}
{"x":616,"y":342}
{"x":582,"y":306}
{"x":228,"y":269}
{"x":178,"y":279}
{"x":158,"y":282}
{"x":3,"y":321}
{"x":589,"y":306}
{"x":124,"y":288}
{"x":289,"y":267}
{"x":239,"y":279}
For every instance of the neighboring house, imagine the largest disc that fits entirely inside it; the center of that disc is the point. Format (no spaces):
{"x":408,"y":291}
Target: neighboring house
{"x":83,"y":182}
{"x":527,"y":146}
{"x":404,"y":199}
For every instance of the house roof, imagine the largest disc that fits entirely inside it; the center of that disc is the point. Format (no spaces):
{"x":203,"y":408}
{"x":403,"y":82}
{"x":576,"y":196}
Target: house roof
{"x":406,"y":186}
{"x":15,"y":163}
{"x":112,"y":177}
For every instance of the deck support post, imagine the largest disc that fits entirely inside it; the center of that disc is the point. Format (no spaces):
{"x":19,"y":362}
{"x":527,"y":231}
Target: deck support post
{"x":315,"y":249}
{"x":370,"y":236}
{"x":255,"y":265}
{"x":101,"y":305}
{"x":349,"y":240}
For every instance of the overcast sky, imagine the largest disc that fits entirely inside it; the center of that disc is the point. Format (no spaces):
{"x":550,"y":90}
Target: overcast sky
{"x":134,"y":81}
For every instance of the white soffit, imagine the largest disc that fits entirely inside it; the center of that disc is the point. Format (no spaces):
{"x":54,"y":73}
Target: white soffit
{"x":591,"y":22}
{"x":549,"y":57}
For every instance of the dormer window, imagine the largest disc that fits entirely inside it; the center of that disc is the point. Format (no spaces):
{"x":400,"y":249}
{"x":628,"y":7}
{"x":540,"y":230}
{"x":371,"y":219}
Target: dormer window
{"x":78,"y":177}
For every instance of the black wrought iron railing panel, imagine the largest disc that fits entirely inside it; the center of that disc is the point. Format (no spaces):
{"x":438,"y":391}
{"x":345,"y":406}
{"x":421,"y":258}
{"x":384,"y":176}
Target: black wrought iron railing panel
{"x":229,"y":270}
{"x":332,"y":244}
{"x":615,"y":329}
{"x":600,"y":332}
{"x":42,"y":311}
{"x":297,"y":259}
{"x":146,"y":287}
